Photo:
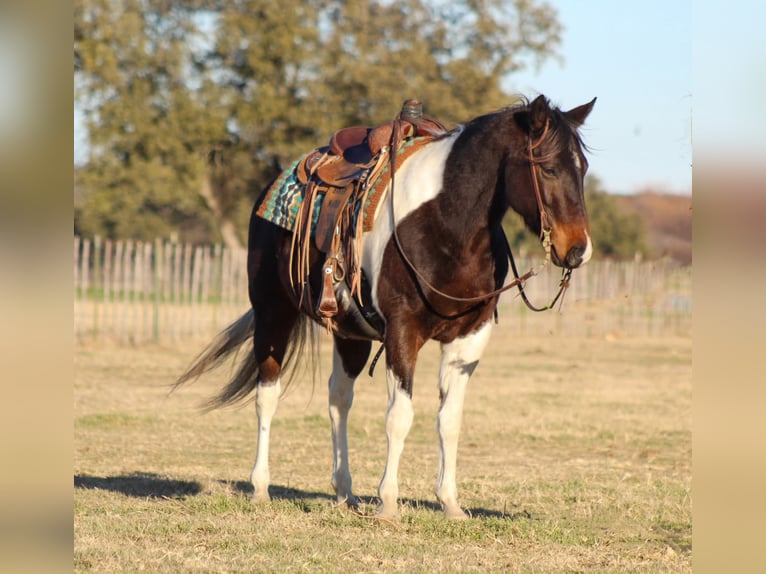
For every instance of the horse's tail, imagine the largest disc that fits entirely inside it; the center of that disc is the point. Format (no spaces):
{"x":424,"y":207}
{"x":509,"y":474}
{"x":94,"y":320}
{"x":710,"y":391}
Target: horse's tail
{"x":228,"y":343}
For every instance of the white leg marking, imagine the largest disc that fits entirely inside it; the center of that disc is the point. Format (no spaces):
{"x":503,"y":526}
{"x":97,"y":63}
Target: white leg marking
{"x":588,"y":250}
{"x":417,"y":181}
{"x":458,"y":361}
{"x":341,"y":388}
{"x":266,"y":402}
{"x":398,"y":423}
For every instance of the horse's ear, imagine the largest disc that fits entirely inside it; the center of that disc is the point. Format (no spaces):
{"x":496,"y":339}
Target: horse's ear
{"x":532,"y":120}
{"x":576,"y":116}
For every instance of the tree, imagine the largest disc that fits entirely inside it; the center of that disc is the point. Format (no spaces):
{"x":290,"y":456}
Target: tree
{"x":149,"y":119}
{"x":615,"y":234}
{"x":192,"y":106}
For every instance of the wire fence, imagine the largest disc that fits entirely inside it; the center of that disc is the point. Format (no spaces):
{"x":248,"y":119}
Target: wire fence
{"x":133,"y":292}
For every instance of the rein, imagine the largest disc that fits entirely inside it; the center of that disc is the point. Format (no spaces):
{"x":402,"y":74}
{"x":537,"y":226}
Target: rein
{"x":518,"y":281}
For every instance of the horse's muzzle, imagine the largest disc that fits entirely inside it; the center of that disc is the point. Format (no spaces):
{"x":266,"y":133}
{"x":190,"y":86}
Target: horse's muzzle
{"x":575,"y":257}
{"x":578,"y":255}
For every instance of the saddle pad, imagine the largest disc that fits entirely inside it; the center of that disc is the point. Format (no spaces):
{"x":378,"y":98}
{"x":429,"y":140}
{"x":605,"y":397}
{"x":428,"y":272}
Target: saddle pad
{"x":284,"y":196}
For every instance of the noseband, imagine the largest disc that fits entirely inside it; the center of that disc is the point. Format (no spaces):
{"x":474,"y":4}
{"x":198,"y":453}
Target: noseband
{"x":545,"y":237}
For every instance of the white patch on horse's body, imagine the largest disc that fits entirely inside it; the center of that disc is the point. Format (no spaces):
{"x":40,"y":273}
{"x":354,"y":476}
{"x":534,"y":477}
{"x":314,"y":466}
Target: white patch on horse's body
{"x":458,"y":361}
{"x":418,"y":180}
{"x":341,"y":387}
{"x":266,"y":402}
{"x":398,"y":422}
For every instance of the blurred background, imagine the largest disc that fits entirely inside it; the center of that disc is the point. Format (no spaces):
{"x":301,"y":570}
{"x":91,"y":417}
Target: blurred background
{"x":184,"y":111}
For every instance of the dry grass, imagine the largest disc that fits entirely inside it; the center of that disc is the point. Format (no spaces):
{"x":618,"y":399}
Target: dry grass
{"x":575,"y":456}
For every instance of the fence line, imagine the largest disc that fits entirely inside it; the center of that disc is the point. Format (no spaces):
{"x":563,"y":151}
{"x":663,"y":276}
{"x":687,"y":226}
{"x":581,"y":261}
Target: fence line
{"x":162,"y":291}
{"x":608,"y":298}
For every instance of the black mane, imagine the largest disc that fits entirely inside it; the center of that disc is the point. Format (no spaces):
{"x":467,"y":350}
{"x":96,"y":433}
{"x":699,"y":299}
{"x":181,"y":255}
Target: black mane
{"x":558,"y":136}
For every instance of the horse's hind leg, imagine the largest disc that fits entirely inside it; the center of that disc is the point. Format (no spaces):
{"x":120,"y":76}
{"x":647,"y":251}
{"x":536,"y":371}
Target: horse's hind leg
{"x":349,"y":358}
{"x":274,"y":318}
{"x":266,"y":401}
{"x":458,"y":361}
{"x":270,"y":342}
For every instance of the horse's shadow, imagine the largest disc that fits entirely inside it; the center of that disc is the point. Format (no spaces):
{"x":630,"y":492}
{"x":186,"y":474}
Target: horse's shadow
{"x":277,"y":492}
{"x":140,"y":485}
{"x":149,"y":485}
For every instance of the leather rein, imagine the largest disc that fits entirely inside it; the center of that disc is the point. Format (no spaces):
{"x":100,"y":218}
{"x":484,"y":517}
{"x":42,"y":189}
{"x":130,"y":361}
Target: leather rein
{"x":519,"y":280}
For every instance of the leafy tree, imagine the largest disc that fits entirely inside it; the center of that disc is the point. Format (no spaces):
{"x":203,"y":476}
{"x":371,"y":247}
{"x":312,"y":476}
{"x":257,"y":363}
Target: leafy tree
{"x":192,"y":106}
{"x":150,"y":118}
{"x":451,"y":55}
{"x":615,"y":234}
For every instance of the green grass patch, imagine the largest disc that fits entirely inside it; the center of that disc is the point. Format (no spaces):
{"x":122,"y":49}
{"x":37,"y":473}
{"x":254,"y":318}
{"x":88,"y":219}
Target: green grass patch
{"x":112,"y":420}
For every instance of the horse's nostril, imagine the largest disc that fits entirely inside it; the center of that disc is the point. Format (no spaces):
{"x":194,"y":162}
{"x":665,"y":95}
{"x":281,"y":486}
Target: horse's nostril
{"x":574,"y":257}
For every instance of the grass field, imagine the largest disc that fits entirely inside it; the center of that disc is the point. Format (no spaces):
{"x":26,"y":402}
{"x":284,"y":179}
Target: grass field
{"x":575,"y":456}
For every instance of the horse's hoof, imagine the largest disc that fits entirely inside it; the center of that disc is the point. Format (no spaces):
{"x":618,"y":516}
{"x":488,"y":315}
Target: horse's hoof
{"x":387,"y":513}
{"x":349,"y":501}
{"x":455,"y":514}
{"x":260,"y":497}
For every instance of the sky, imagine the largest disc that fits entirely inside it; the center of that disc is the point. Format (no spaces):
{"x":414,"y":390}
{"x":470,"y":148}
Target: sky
{"x":636,"y":58}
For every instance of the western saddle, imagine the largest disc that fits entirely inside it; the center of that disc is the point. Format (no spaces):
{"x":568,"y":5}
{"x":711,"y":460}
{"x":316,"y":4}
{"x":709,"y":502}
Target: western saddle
{"x":343,"y":171}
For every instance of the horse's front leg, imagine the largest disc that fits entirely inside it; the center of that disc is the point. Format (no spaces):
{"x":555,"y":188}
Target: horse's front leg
{"x":458,"y":361}
{"x":401,"y":355}
{"x":348,"y":361}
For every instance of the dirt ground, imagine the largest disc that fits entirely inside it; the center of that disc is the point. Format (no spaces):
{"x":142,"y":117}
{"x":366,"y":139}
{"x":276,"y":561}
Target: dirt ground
{"x":575,"y":455}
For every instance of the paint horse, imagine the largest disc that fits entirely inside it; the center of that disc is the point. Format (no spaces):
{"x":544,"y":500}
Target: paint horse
{"x":432,"y":264}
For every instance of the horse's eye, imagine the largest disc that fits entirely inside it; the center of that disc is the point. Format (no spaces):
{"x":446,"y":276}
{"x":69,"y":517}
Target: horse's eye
{"x":549,"y":171}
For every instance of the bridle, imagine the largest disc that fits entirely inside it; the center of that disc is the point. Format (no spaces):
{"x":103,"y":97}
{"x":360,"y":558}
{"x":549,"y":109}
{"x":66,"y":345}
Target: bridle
{"x":519,"y":280}
{"x":545,"y":229}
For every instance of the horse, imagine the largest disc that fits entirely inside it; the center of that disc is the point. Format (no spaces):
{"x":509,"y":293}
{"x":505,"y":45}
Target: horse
{"x":432,"y":265}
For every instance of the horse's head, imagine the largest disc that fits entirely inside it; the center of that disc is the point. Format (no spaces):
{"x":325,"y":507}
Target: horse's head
{"x":546,"y":176}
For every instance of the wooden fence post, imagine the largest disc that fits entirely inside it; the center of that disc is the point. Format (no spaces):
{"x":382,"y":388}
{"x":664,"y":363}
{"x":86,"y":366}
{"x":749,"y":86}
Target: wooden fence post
{"x":177,"y":299}
{"x":96,"y":282}
{"x":107,"y":282}
{"x":157,"y":261}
